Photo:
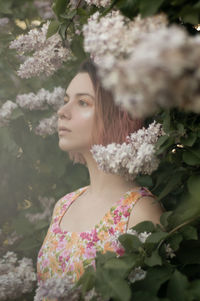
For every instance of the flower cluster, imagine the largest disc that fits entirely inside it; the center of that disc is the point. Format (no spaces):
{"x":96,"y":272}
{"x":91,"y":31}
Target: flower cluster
{"x":12,"y":238}
{"x":169,"y":251}
{"x":98,"y":3}
{"x":47,"y":126}
{"x":6,"y":111}
{"x":91,"y":294}
{"x":102,"y":36}
{"x":156,"y":66}
{"x":47,"y":205}
{"x":42,"y":99}
{"x":17,"y":277}
{"x":142,"y":236}
{"x":48,"y":56}
{"x":57,"y":287}
{"x":44,"y":8}
{"x":137,"y":274}
{"x":3,"y":22}
{"x":136,"y":155}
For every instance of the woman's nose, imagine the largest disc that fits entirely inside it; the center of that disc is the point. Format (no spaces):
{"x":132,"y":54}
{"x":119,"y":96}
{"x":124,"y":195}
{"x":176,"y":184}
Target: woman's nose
{"x":64,"y":112}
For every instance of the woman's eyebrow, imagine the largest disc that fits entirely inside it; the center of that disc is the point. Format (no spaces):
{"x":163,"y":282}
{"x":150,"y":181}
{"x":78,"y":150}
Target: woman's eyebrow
{"x":81,"y":94}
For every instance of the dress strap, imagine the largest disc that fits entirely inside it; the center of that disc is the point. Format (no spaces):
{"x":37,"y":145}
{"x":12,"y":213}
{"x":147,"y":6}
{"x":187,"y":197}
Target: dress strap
{"x":123,"y":210}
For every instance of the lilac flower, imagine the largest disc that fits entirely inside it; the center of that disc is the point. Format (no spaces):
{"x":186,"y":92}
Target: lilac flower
{"x":47,"y":126}
{"x":44,"y":8}
{"x":17,"y":277}
{"x":48,"y":56}
{"x":42,"y":99}
{"x":156,"y":66}
{"x":137,"y":274}
{"x":169,"y":251}
{"x":47,"y":205}
{"x":57,"y":287}
{"x":6,"y":112}
{"x":136,"y":155}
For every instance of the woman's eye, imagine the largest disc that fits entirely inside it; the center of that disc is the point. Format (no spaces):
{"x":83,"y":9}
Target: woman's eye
{"x":83,"y":103}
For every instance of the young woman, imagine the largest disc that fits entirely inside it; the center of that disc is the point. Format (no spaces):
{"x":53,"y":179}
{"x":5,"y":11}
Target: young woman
{"x":86,"y":220}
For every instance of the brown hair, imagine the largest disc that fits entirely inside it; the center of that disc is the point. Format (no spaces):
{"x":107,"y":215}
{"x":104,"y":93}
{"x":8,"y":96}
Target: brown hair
{"x":112,"y":124}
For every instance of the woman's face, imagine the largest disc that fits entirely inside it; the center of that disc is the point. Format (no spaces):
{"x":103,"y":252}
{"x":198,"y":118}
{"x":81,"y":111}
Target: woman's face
{"x":77,"y":114}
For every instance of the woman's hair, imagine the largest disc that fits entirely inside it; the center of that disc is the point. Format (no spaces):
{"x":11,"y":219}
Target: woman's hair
{"x":111,"y":123}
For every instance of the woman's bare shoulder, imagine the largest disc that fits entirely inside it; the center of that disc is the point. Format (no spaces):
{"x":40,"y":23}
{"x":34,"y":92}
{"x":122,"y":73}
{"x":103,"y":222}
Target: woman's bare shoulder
{"x":147,"y":208}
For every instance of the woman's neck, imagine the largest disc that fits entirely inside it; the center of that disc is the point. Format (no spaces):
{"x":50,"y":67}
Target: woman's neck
{"x":102,"y":183}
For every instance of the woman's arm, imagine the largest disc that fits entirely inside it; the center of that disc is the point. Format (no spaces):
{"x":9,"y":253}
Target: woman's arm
{"x":147,"y":208}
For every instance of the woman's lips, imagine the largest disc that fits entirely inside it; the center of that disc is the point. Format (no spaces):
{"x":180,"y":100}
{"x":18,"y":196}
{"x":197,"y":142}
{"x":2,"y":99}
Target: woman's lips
{"x":63,"y":131}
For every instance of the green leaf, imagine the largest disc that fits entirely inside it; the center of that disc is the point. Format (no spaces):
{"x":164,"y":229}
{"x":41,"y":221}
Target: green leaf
{"x":144,"y":226}
{"x":189,"y":232}
{"x":110,"y":287}
{"x":189,"y":14}
{"x":148,"y":8}
{"x":144,"y":180}
{"x":190,"y":158}
{"x":102,"y":258}
{"x":189,"y":140}
{"x":175,"y":241}
{"x":130,"y":242}
{"x":117,"y":265}
{"x":194,"y":289}
{"x":172,"y":183}
{"x":154,"y":259}
{"x":193,"y":185}
{"x":53,"y":28}
{"x":59,"y":7}
{"x":177,"y":285}
{"x":161,"y":141}
{"x":164,"y":218}
{"x":77,"y":48}
{"x":87,"y":280}
{"x":181,"y":129}
{"x":62,"y":31}
{"x":155,"y":277}
{"x":156,"y":237}
{"x":69,"y":15}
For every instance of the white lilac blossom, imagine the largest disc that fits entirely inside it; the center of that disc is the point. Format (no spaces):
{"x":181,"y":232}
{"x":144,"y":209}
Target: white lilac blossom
{"x":47,"y":126}
{"x":6,"y":112}
{"x":98,"y":3}
{"x":142,"y":236}
{"x":169,"y":251}
{"x":17,"y":277}
{"x":3,"y":22}
{"x":48,"y":56}
{"x":91,"y":294}
{"x":44,"y":9}
{"x":163,"y":72}
{"x":156,"y":66}
{"x":136,"y":155}
{"x":12,"y":238}
{"x":57,"y":287}
{"x":137,"y":274}
{"x":42,"y":99}
{"x":103,"y":37}
{"x":47,"y":205}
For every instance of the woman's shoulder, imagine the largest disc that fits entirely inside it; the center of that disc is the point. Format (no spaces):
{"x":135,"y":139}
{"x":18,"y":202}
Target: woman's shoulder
{"x":146,"y":208}
{"x":65,"y":199}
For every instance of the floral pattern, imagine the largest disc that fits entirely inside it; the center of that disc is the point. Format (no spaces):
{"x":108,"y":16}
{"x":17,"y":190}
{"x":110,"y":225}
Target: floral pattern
{"x":69,"y":253}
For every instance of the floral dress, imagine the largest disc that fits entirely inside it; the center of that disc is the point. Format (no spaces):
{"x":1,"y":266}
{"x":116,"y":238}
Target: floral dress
{"x":69,"y":253}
